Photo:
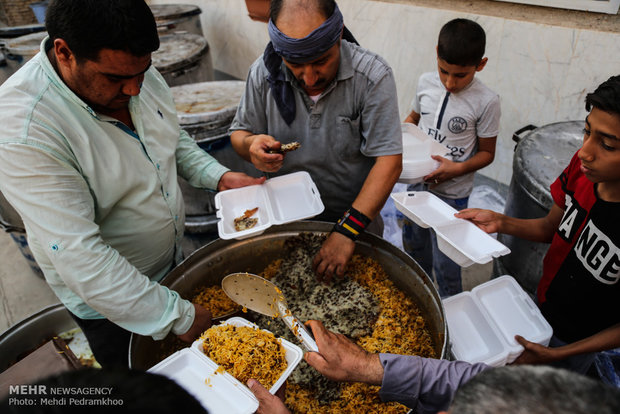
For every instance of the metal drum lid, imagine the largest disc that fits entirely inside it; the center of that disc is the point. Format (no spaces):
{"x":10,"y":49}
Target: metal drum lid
{"x":542,"y":155}
{"x":10,"y":32}
{"x":206,"y":133}
{"x":207,"y":102}
{"x":28,"y":45}
{"x":165,"y":12}
{"x":177,"y":50}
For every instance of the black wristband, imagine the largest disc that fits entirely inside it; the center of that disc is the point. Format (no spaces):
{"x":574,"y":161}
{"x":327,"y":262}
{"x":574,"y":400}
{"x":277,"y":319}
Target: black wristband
{"x":359,"y":216}
{"x":352,"y":224}
{"x":339,"y":229}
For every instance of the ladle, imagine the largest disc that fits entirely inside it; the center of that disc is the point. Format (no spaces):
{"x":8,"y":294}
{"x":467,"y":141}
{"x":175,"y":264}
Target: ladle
{"x":260,"y":295}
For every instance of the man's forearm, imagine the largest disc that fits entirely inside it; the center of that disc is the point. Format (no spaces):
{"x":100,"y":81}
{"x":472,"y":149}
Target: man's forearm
{"x":378,"y":185}
{"x":425,"y":384}
{"x":241,"y":141}
{"x":199,"y":168}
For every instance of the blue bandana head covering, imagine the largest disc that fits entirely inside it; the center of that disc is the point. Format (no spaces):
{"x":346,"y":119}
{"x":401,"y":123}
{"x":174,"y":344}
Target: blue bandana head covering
{"x":302,"y":50}
{"x":310,"y":47}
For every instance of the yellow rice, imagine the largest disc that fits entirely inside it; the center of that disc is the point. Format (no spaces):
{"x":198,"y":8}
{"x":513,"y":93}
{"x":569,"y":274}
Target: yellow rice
{"x":246,"y":352}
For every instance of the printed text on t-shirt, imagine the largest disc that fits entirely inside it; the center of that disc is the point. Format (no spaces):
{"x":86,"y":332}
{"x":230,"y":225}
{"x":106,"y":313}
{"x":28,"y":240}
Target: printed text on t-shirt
{"x":598,"y":254}
{"x":455,"y":152}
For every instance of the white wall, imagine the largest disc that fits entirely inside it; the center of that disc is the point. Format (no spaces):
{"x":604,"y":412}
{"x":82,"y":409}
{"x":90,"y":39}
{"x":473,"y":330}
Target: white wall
{"x":541,"y":72}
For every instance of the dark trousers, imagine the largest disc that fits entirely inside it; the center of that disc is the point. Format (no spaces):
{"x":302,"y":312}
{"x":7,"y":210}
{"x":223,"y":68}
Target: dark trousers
{"x":108,"y":341}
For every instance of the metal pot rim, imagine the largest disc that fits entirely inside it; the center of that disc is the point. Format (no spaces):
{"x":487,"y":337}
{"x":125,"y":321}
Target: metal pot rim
{"x":368,"y":241}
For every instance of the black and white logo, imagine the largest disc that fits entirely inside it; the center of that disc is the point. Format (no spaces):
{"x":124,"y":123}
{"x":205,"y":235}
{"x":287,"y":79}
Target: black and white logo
{"x":457,"y":125}
{"x":573,"y":218}
{"x":598,"y":254}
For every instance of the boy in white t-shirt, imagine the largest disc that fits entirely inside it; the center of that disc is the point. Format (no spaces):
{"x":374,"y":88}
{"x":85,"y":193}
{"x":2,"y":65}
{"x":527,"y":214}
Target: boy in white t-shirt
{"x":462,"y":113}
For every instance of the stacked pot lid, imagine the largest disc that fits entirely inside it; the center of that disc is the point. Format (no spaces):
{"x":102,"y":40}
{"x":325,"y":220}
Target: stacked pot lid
{"x":175,"y":50}
{"x":206,"y":109}
{"x":177,"y":18}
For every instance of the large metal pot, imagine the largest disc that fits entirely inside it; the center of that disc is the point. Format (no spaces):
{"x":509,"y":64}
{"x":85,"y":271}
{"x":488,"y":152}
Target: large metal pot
{"x":32,"y":332}
{"x":183,"y":58}
{"x":540,"y":157}
{"x":209,"y":265}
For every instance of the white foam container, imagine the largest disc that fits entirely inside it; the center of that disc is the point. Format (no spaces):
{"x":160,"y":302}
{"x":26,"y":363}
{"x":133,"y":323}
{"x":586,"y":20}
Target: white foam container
{"x":280,"y":200}
{"x":223,"y":394}
{"x":417,"y":150}
{"x":460,"y":240}
{"x":483,"y":323}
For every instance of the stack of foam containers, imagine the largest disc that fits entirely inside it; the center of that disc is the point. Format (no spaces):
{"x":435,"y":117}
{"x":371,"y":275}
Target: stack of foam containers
{"x":483,"y":323}
{"x":417,"y":150}
{"x":219,"y":393}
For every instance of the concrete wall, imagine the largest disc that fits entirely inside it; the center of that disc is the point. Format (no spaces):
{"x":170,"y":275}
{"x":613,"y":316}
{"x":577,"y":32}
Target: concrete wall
{"x":542,"y":72}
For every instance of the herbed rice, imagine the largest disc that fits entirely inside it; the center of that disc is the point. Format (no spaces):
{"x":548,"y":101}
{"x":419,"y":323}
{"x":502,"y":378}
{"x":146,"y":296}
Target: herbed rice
{"x":215,"y":299}
{"x":389,"y":322}
{"x":246,"y":352}
{"x":395,"y":325}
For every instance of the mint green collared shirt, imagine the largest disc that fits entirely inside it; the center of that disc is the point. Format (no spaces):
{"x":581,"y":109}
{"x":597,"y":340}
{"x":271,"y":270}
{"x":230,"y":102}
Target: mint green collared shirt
{"x":100,"y":203}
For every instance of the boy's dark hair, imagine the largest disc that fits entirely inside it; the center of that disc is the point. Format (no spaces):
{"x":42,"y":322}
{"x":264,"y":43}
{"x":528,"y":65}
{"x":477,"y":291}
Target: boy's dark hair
{"x":461,"y":42}
{"x":326,"y":6}
{"x":606,"y":97}
{"x":91,"y":25}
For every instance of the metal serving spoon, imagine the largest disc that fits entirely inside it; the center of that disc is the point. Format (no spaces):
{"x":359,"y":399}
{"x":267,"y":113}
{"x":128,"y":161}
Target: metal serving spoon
{"x":260,"y":295}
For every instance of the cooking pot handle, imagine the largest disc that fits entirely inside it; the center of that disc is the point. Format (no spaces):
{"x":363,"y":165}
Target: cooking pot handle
{"x":516,"y":137}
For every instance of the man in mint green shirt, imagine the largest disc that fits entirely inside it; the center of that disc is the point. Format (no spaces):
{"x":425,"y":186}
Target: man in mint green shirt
{"x":90,"y":149}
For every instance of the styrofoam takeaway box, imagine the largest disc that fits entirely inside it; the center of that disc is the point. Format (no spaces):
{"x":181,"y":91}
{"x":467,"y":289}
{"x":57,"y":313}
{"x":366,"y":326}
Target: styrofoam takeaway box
{"x":219,"y":393}
{"x":417,"y":150}
{"x":483,"y":323}
{"x":460,"y":240}
{"x":280,"y":200}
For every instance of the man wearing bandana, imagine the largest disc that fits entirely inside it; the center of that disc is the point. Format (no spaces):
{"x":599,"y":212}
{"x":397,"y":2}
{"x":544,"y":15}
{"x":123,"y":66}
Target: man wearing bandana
{"x":339,"y":101}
